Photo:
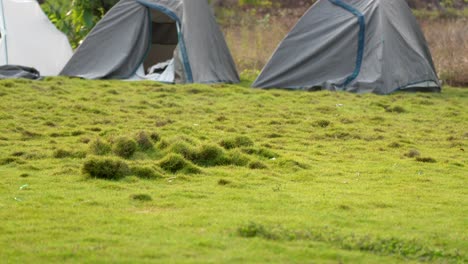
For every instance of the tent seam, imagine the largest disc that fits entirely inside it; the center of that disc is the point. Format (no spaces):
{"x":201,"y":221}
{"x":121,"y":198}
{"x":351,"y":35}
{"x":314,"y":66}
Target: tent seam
{"x":361,"y":39}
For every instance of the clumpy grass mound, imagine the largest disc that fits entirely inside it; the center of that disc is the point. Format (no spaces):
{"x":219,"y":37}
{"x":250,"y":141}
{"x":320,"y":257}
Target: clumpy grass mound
{"x":145,"y":172}
{"x":63,"y":153}
{"x":210,"y":155}
{"x":144,"y":141}
{"x":237,"y":158}
{"x":257,"y":165}
{"x":105,"y":168}
{"x":175,"y":163}
{"x":141,"y":197}
{"x":184,"y":149}
{"x":99,"y":147}
{"x":236,"y":142}
{"x":124,"y":147}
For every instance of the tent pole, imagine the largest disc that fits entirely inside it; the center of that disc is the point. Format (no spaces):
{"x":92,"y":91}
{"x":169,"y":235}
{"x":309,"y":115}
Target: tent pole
{"x":3,"y":32}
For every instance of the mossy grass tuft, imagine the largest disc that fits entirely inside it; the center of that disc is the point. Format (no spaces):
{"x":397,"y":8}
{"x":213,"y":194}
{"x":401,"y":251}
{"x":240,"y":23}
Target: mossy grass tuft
{"x":175,"y":163}
{"x":105,"y":168}
{"x":145,"y":172}
{"x":426,"y":159}
{"x":183,"y":148}
{"x":257,"y":165}
{"x":237,"y":158}
{"x":236,"y":142}
{"x":99,"y":147}
{"x":141,"y":197}
{"x":144,"y":141}
{"x":63,"y":153}
{"x":413,"y":153}
{"x":209,"y":155}
{"x":124,"y":147}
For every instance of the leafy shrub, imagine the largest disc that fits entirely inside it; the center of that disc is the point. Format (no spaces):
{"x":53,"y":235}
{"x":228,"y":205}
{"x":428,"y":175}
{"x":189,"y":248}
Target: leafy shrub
{"x":175,"y":163}
{"x":236,"y":142}
{"x":99,"y":147}
{"x":105,"y":168}
{"x":124,"y":147}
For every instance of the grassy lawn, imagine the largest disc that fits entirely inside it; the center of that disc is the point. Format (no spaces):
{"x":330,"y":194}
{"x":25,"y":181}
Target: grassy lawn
{"x":225,"y":173}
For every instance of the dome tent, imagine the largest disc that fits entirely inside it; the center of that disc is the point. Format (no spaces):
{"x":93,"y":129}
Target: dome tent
{"x":29,"y":39}
{"x":353,"y":45}
{"x":137,"y":34}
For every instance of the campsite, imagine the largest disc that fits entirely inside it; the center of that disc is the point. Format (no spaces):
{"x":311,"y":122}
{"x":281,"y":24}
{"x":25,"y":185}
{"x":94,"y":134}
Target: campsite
{"x":97,"y":167}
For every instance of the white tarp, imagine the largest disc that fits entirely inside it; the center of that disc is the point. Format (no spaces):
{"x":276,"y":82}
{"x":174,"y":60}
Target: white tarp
{"x":29,"y":39}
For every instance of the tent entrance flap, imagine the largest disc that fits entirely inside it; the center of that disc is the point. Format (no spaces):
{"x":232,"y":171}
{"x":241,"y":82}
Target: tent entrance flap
{"x":164,"y":39}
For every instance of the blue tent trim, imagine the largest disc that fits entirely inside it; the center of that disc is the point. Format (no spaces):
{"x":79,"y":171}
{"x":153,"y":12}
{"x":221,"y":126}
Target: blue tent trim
{"x":362,"y":36}
{"x":182,"y":46}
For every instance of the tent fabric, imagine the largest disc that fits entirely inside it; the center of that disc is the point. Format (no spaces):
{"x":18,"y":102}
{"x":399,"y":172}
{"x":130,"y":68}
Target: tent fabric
{"x":29,"y":38}
{"x":353,"y":45}
{"x":134,"y":30}
{"x":18,"y":72}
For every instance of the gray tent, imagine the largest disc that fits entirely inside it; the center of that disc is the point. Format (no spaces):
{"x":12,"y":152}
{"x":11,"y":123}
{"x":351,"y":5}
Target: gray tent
{"x":353,"y":45}
{"x":180,"y":35}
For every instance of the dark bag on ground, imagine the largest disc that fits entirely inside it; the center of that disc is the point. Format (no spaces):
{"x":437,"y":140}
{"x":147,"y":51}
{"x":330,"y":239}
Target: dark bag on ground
{"x":18,"y":72}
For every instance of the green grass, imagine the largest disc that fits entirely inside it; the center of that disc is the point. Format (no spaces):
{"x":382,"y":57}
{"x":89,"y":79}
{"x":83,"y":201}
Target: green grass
{"x":224,"y":173}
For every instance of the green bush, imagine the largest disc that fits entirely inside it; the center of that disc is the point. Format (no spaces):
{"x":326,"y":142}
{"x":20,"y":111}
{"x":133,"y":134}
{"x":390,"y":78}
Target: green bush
{"x":175,"y":163}
{"x":124,"y":147}
{"x":105,"y":168}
